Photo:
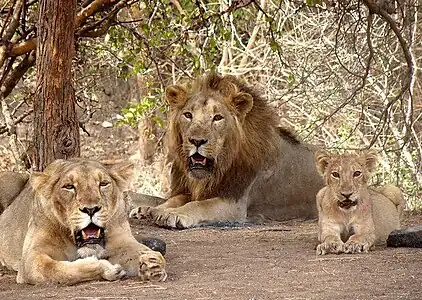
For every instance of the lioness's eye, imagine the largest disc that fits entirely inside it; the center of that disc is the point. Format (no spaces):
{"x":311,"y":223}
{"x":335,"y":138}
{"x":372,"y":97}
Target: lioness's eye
{"x":69,"y":187}
{"x":218,"y":118}
{"x":187,"y":115}
{"x":357,"y":173}
{"x":104,"y":183}
{"x":335,"y":174}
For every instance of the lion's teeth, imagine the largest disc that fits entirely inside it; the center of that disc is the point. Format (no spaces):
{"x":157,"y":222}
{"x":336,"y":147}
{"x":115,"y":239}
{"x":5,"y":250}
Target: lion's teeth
{"x":84,"y":236}
{"x":97,"y":235}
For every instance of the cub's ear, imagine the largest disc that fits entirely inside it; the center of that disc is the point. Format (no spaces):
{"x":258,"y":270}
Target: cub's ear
{"x":322,"y":159}
{"x":243,"y":103}
{"x":176,"y":96}
{"x":370,"y":159}
{"x":123,"y":174}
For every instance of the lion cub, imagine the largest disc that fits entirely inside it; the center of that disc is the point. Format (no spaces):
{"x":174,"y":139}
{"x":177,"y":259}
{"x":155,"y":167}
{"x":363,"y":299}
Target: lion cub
{"x":351,"y":216}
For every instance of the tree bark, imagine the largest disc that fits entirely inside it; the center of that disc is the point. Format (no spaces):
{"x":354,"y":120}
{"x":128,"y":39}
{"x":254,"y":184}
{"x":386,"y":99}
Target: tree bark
{"x":56,"y":128}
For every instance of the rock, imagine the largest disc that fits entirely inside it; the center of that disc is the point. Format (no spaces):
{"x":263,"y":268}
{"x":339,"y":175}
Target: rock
{"x":407,"y":237}
{"x":155,"y":244}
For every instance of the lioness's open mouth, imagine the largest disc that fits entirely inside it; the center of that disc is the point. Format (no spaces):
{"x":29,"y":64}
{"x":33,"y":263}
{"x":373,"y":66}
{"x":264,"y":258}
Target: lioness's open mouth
{"x":92,"y":234}
{"x":346,"y":204}
{"x":199,"y":162}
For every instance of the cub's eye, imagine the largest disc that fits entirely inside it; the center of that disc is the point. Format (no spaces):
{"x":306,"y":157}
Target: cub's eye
{"x":69,"y":187}
{"x":357,"y":173}
{"x":104,"y":183}
{"x":218,"y":118}
{"x":335,"y":174}
{"x":187,"y":115}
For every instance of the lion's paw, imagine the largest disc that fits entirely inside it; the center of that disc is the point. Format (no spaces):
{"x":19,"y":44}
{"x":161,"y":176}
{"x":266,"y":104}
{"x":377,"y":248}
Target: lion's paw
{"x":335,"y":247}
{"x":356,"y":247}
{"x":171,"y":219}
{"x":152,"y":266}
{"x":141,"y":212}
{"x":111,"y":272}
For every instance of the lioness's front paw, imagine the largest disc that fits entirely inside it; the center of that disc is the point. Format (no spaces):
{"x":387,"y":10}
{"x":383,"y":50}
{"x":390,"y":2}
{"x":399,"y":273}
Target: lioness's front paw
{"x":356,"y":247}
{"x":111,"y":272}
{"x":141,"y":212}
{"x":152,"y":266}
{"x":335,"y":247}
{"x":171,"y":219}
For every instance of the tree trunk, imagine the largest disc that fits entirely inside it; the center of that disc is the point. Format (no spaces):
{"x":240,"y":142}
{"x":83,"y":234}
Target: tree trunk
{"x":56,"y":129}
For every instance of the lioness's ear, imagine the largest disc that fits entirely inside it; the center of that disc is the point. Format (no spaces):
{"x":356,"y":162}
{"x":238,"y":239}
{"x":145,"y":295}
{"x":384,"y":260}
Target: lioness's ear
{"x":370,"y":159}
{"x":37,"y":180}
{"x":123,"y":174}
{"x":321,"y":160}
{"x":176,"y":95}
{"x":243,"y":103}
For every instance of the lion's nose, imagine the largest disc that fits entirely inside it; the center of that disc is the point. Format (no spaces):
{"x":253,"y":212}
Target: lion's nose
{"x":90,"y":211}
{"x":346,"y":195}
{"x":198,"y":143}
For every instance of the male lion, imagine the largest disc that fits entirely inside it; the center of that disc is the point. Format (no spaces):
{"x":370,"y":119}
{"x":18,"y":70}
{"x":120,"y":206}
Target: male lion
{"x":230,"y":160}
{"x":352,"y":216}
{"x":70,"y":225}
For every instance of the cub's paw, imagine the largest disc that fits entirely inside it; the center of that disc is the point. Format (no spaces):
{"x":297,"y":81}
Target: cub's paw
{"x":171,"y":218}
{"x":141,"y":212}
{"x":356,"y":247}
{"x":111,"y":272}
{"x":152,"y":266}
{"x":335,"y":247}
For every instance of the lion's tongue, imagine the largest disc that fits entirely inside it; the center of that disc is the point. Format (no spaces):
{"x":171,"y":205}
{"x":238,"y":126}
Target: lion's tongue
{"x":199,"y":159}
{"x":90,"y":232}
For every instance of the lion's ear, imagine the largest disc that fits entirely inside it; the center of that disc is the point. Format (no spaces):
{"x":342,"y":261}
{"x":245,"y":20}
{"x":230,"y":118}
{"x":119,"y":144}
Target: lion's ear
{"x":243,"y":103}
{"x":123,"y":174}
{"x":370,"y":159}
{"x":176,"y":95}
{"x":322,"y":159}
{"x":37,"y":180}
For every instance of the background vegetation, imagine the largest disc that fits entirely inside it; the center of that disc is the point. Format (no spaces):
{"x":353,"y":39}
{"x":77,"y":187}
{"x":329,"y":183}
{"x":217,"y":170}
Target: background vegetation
{"x":344,"y":74}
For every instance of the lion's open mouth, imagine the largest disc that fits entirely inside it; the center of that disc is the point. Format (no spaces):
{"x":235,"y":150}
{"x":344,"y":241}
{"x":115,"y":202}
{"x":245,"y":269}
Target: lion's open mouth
{"x":199,"y":162}
{"x":346,"y":204}
{"x":92,"y":234}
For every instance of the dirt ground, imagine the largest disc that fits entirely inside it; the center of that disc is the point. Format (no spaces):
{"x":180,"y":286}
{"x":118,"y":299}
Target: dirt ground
{"x":271,"y":261}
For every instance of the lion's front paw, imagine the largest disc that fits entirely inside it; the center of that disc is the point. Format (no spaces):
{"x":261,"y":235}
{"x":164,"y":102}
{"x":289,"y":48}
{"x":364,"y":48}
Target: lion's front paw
{"x":352,"y":246}
{"x":170,"y":218}
{"x":111,"y":272}
{"x":141,"y":212}
{"x":335,"y":247}
{"x":152,"y":266}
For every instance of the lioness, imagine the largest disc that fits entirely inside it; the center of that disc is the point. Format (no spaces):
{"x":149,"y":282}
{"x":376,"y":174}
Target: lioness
{"x":351,"y":216}
{"x":11,"y":184}
{"x":230,"y":160}
{"x":70,"y":225}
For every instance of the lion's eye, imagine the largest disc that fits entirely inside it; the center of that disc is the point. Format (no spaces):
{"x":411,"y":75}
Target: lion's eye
{"x":187,"y":115}
{"x":335,"y":174}
{"x":104,"y":183}
{"x":357,"y":173}
{"x":69,"y":187}
{"x":218,"y":118}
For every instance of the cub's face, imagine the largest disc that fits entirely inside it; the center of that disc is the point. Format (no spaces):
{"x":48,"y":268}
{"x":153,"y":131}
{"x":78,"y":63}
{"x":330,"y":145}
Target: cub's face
{"x":346,"y":175}
{"x":82,"y":195}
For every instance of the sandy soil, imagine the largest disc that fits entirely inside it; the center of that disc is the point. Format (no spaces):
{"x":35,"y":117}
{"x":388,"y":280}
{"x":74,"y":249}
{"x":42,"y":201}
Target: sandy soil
{"x":271,"y":261}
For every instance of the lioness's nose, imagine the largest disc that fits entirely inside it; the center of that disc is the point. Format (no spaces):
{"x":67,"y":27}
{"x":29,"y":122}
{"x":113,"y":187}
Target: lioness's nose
{"x":90,"y":211}
{"x":198,"y":143}
{"x":346,"y":195}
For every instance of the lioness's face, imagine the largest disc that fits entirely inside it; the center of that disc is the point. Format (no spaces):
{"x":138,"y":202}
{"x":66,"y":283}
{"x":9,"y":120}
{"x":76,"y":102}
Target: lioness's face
{"x":346,"y":175}
{"x":83,"y":195}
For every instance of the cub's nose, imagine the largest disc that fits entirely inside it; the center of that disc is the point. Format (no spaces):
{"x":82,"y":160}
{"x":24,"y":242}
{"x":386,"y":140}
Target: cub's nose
{"x":90,"y":211}
{"x":198,"y":142}
{"x":346,"y":195}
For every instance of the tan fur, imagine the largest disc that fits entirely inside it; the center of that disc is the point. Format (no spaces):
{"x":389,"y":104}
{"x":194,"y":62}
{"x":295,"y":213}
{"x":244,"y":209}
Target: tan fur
{"x":354,"y":228}
{"x":11,"y":184}
{"x":37,"y":229}
{"x":258,"y":169}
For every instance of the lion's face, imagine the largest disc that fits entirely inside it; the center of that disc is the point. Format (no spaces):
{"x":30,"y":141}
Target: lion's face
{"x":208,"y":123}
{"x":346,"y":175}
{"x":82,"y":195}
